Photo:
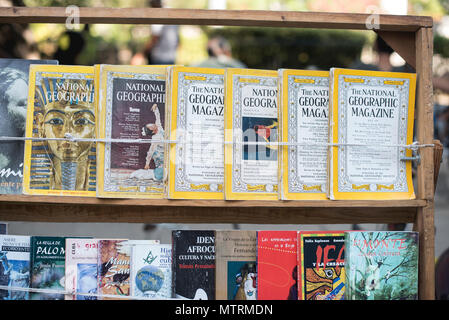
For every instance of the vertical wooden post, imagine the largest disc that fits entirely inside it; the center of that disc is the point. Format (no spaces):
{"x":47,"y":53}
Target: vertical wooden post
{"x":424,"y":223}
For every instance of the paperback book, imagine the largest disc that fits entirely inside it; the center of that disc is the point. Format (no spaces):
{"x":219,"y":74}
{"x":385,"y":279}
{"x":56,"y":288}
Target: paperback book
{"x":133,"y":124}
{"x":81,"y":268}
{"x":13,"y":106}
{"x":371,"y":128}
{"x":381,"y":265}
{"x":47,"y":267}
{"x":193,"y":264}
{"x":151,"y":270}
{"x":14,"y":266}
{"x":236,"y":265}
{"x":277,"y":265}
{"x":61,"y":119}
{"x":303,"y":114}
{"x":196,"y":165}
{"x":251,"y":134}
{"x":321,"y":265}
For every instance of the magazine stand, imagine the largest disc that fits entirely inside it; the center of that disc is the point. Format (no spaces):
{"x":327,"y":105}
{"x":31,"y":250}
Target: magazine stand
{"x":410,"y":36}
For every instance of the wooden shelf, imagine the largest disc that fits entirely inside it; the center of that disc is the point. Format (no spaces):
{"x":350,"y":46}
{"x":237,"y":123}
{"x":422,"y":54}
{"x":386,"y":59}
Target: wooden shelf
{"x":410,"y":36}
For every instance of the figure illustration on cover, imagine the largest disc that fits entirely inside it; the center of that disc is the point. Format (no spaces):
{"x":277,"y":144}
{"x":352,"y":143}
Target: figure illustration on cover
{"x":13,"y":273}
{"x":64,"y":108}
{"x":325,"y":283}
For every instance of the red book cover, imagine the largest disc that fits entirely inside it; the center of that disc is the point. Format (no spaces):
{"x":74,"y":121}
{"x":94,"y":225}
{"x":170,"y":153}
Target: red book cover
{"x":277,"y":265}
{"x":321,"y":272}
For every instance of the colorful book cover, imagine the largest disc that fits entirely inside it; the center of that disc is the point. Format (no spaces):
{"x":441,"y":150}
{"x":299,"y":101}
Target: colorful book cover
{"x":236,"y":265}
{"x":113,"y":269}
{"x":13,"y":103}
{"x":303,"y":115}
{"x":196,"y":165}
{"x":60,"y":110}
{"x":47,"y":267}
{"x":381,"y":265}
{"x":132,"y":107}
{"x":193,"y":264}
{"x":81,"y":268}
{"x":277,"y":265}
{"x":151,"y":271}
{"x":371,"y":116}
{"x":251,"y":134}
{"x":14,"y":266}
{"x":321,"y":265}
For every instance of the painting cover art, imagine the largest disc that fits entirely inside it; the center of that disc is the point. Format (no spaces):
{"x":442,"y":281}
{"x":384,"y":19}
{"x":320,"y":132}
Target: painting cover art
{"x":13,"y":104}
{"x":151,"y":271}
{"x":303,"y":114}
{"x":61,"y":109}
{"x":236,"y":265}
{"x":277,"y":271}
{"x":196,"y":164}
{"x":47,"y":267}
{"x":81,"y":268}
{"x":251,"y":134}
{"x":14,"y":266}
{"x":113,"y":268}
{"x":194,"y":264}
{"x":132,"y":107}
{"x":321,"y":265}
{"x":382,"y":265}
{"x":371,"y":117}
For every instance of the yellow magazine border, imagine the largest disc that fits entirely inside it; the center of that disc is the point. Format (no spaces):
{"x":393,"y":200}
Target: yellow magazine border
{"x":409,"y":138}
{"x":172,"y":193}
{"x":101,"y":71}
{"x":229,"y":149}
{"x":283,"y":112}
{"x":30,"y":122}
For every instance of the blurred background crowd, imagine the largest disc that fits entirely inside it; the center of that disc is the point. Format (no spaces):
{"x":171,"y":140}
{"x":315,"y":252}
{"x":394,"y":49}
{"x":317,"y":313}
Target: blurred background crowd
{"x":214,"y":46}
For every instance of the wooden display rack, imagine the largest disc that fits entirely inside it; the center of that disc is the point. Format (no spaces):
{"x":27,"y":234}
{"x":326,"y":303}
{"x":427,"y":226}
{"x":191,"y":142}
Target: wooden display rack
{"x":409,"y":36}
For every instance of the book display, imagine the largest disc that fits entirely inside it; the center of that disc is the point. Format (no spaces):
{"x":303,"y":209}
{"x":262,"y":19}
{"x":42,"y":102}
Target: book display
{"x":196,"y":123}
{"x":372,"y":144}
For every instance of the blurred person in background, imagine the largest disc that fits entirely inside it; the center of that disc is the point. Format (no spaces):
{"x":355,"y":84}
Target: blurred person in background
{"x":219,"y":55}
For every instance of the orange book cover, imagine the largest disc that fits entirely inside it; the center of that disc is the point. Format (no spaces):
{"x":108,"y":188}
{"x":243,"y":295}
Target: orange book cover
{"x":277,"y":265}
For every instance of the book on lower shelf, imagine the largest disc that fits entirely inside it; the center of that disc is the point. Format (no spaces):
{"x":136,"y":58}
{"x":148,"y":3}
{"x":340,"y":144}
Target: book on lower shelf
{"x":371,"y":115}
{"x":47,"y":258}
{"x":193,"y":264}
{"x":321,"y":265}
{"x":14,"y":76}
{"x":251,"y":134}
{"x":151,"y":270}
{"x":277,"y":265}
{"x":132,"y":107}
{"x":60,"y":108}
{"x":196,"y":123}
{"x":81,"y":268}
{"x":14,"y":266}
{"x":381,"y":265}
{"x":236,"y":265}
{"x":303,"y":116}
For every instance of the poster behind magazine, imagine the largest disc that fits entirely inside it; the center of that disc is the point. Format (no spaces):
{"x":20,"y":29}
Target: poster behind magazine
{"x":14,"y":266}
{"x":132,"y":106}
{"x":60,"y":107}
{"x":13,"y":108}
{"x":251,"y":123}
{"x":47,"y":267}
{"x":193,"y":264}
